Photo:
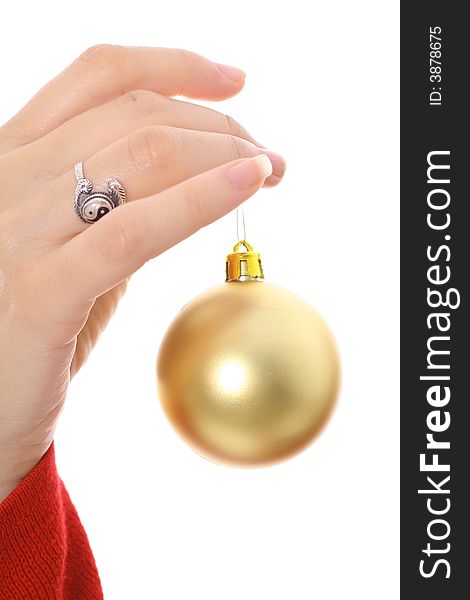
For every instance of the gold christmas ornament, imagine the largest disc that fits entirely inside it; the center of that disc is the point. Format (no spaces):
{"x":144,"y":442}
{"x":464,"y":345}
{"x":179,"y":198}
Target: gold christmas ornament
{"x":248,"y":372}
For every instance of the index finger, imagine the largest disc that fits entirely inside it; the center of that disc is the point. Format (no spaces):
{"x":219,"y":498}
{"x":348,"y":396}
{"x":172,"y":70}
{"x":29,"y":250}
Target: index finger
{"x":106,"y":71}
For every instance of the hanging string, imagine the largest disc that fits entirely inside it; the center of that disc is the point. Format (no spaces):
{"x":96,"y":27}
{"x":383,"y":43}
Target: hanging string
{"x":241,"y":212}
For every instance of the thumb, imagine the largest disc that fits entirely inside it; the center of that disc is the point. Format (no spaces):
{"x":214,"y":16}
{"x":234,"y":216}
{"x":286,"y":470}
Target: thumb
{"x":71,"y":277}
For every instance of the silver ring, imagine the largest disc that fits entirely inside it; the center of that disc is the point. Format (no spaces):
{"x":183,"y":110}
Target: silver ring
{"x":90,"y":206}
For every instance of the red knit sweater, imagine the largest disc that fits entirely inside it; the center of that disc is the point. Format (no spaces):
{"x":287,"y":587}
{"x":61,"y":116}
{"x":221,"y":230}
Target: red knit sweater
{"x":44,"y":550}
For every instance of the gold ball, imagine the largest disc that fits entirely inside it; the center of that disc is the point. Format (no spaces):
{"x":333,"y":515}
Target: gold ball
{"x":248,"y":373}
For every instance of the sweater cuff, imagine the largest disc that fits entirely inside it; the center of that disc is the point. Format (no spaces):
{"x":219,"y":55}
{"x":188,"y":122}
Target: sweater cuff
{"x":44,"y":550}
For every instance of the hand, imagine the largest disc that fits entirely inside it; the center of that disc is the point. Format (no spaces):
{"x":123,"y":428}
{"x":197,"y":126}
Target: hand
{"x":182,"y":165}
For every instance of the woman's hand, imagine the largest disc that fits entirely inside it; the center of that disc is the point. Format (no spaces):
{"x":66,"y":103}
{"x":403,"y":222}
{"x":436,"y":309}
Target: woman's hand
{"x":182,"y":165}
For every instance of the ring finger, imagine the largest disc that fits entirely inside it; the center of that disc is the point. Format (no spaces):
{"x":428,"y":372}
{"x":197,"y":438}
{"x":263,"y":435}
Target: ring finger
{"x":147,"y":161}
{"x":111,"y":121}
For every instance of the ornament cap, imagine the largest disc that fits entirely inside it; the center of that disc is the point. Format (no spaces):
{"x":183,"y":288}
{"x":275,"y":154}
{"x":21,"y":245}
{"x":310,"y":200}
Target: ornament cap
{"x":240,"y":266}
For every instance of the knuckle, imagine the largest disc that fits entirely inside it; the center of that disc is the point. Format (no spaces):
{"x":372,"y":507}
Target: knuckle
{"x":142,"y":102}
{"x":187,"y":62}
{"x":194,"y":206}
{"x":238,"y":148}
{"x":232,"y":126}
{"x":101,"y":55}
{"x":151,"y":148}
{"x":185,"y":57}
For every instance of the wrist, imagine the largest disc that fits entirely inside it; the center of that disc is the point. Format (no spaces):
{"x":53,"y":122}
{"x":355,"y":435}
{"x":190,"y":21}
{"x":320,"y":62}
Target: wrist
{"x":15,"y":468}
{"x":7,"y":488}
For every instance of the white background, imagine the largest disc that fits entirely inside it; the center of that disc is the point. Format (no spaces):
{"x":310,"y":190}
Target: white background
{"x":322,"y":88}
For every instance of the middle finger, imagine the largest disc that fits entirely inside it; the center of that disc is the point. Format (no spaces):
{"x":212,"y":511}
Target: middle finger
{"x":85,"y":134}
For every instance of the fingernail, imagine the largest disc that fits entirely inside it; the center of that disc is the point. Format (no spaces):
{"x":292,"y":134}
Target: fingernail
{"x":278,"y":162}
{"x":232,"y":73}
{"x":250,"y":172}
